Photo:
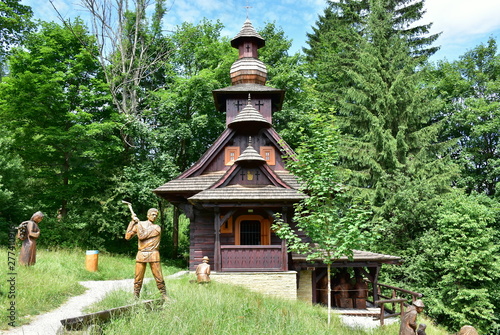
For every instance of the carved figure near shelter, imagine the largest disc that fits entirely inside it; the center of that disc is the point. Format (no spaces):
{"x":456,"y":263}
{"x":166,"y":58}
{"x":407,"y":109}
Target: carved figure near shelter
{"x":149,"y":235}
{"x":468,"y":330}
{"x":409,"y":319}
{"x":28,"y":232}
{"x":341,"y":292}
{"x":203,"y":271}
{"x":360,"y":293}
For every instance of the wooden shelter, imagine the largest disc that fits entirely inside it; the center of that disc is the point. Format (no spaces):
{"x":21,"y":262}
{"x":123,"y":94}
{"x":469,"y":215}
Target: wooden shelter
{"x":234,"y":190}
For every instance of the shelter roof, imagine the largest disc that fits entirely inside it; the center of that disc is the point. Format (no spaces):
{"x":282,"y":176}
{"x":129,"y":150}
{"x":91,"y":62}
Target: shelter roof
{"x":358,"y":256}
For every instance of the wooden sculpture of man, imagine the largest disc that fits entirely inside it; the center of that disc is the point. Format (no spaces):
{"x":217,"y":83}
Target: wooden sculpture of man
{"x":149,"y":235}
{"x":409,"y":319}
{"x":28,"y":232}
{"x":203,"y":271}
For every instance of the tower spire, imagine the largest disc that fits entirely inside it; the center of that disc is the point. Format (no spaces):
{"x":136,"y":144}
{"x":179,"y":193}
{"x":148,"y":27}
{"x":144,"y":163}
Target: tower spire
{"x":247,"y":7}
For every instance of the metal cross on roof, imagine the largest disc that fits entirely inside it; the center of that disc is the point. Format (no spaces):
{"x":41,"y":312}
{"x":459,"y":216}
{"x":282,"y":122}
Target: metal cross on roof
{"x":247,"y":8}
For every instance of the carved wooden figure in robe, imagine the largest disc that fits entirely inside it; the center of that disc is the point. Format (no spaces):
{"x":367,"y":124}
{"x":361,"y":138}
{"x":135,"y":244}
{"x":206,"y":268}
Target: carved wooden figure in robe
{"x":409,"y":319}
{"x":149,"y":235}
{"x":28,"y":232}
{"x":341,"y":292}
{"x":203,"y":271}
{"x":360,"y":293}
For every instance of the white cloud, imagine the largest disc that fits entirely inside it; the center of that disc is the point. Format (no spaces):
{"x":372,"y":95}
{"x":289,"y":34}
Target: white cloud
{"x":459,"y":18}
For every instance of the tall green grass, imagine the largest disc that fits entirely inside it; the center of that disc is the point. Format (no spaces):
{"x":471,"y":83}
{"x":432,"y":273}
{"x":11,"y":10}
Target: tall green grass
{"x":224,"y":309}
{"x":54,"y":278}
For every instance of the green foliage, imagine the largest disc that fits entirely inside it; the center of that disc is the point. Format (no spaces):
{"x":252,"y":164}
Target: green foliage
{"x":387,"y":120}
{"x":187,"y":122}
{"x":287,"y":72}
{"x":456,"y":263}
{"x":470,"y":87}
{"x":15,"y":23}
{"x":54,"y":104}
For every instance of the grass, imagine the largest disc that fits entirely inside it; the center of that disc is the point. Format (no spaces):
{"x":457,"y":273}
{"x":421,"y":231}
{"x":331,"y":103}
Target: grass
{"x":215,"y":308}
{"x":53,"y":279}
{"x":218,"y":308}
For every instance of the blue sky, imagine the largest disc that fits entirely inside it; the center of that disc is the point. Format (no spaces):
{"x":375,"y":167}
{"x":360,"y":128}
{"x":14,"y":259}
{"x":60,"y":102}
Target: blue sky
{"x":464,"y":23}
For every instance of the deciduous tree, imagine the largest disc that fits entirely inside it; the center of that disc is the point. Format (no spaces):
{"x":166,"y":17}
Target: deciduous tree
{"x":333,"y":224}
{"x":470,"y":87}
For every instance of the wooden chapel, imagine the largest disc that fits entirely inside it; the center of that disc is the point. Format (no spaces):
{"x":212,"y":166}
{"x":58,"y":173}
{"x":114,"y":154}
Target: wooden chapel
{"x":234,"y":190}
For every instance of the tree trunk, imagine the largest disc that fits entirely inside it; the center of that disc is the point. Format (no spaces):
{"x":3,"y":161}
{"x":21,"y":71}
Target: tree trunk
{"x":329,"y":290}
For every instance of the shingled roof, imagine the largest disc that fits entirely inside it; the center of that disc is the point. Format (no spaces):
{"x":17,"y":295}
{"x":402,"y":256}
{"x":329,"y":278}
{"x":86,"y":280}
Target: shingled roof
{"x":249,"y":115}
{"x":358,"y":256}
{"x":192,"y":184}
{"x":248,"y":31}
{"x":233,"y":193}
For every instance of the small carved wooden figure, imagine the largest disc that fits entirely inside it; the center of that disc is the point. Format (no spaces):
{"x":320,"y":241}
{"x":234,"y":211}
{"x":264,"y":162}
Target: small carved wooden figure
{"x":409,"y":319}
{"x":28,"y":232}
{"x":203,"y":271}
{"x":421,"y":329}
{"x":467,"y":330}
{"x":149,"y":235}
{"x":360,"y":293}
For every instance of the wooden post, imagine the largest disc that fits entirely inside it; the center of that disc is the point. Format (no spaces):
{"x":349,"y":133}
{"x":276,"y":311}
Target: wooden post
{"x":217,"y":254}
{"x":284,"y":254}
{"x":375,"y":283}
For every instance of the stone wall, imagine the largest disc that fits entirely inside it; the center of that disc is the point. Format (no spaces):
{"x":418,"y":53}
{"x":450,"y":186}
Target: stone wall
{"x":304,"y":292}
{"x":277,"y":284}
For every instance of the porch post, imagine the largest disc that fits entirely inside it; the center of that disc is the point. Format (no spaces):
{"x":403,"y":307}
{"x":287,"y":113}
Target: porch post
{"x":217,"y":255}
{"x":284,"y":255}
{"x":374,"y":272}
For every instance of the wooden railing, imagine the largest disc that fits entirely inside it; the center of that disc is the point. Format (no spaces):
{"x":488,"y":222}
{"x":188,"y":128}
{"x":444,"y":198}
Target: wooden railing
{"x":393,"y":298}
{"x":253,"y":258}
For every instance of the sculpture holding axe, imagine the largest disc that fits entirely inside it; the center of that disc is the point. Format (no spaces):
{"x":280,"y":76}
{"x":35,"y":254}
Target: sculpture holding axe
{"x":149,"y":235}
{"x":134,"y":217}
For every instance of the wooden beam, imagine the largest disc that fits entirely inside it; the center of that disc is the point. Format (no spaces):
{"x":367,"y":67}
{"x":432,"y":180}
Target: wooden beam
{"x":79,"y":322}
{"x":226,"y":217}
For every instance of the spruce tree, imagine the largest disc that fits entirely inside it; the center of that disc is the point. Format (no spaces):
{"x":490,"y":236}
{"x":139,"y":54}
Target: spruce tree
{"x":336,"y":38}
{"x":387,"y":119}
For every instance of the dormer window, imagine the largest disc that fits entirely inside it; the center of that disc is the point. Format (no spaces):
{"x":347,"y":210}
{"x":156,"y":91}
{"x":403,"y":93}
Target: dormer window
{"x":231,"y":154}
{"x":268,"y":154}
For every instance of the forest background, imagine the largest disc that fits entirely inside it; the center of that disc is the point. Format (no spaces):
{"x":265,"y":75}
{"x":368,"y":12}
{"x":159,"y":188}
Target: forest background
{"x":97,"y":112}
